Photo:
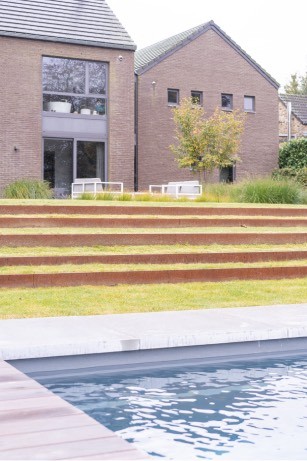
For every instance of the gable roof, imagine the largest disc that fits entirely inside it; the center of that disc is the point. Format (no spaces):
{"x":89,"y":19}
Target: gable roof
{"x":148,"y":57}
{"x":298,"y":105}
{"x":84,"y":22}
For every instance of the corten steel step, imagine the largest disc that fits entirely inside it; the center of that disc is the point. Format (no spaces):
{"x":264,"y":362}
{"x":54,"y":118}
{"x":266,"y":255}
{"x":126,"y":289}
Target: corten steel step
{"x":150,"y":277}
{"x":185,"y":258}
{"x":39,"y":222}
{"x":152,"y":210}
{"x":71,"y":240}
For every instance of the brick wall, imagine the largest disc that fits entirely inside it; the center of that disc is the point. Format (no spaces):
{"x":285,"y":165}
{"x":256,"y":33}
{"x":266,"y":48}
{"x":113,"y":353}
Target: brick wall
{"x":210,"y":65}
{"x":21,"y":107}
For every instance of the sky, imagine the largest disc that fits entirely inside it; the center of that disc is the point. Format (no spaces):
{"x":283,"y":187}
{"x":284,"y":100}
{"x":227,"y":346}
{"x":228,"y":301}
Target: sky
{"x":272,"y":32}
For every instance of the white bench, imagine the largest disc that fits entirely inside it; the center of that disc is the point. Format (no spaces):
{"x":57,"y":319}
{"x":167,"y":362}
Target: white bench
{"x":178,"y":189}
{"x":94,"y":186}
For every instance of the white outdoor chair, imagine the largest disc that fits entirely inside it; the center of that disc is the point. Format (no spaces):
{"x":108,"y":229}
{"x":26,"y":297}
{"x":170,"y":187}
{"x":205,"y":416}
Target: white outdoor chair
{"x":178,"y":189}
{"x":94,"y":186}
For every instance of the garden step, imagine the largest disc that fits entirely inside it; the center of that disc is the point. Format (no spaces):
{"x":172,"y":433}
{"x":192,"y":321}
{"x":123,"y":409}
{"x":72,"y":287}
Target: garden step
{"x":151,"y":277}
{"x":73,"y":240}
{"x":185,"y":258}
{"x":105,"y":222}
{"x":153,"y":210}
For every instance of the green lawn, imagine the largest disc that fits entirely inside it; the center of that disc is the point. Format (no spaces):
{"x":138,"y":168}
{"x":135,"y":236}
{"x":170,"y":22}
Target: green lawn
{"x":144,"y":249}
{"x":75,"y":268}
{"x":127,"y":230}
{"x":171,"y":203}
{"x":86,"y":300}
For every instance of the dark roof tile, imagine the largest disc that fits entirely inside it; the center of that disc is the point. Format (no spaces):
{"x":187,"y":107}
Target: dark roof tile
{"x":299,"y":105}
{"x":85,"y":22}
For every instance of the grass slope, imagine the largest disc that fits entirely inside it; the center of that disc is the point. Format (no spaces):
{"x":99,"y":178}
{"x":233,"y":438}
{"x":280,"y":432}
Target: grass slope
{"x":86,"y":300}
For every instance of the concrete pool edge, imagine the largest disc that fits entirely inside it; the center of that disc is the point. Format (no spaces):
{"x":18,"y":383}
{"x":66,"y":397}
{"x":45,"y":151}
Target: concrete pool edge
{"x":104,"y":335}
{"x":42,"y":347}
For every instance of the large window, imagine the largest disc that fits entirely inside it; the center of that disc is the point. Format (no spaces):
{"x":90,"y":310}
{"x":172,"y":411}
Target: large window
{"x":74,"y":86}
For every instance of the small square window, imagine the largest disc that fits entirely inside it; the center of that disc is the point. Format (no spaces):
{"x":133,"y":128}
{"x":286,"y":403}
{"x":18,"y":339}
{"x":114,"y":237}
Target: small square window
{"x":227,"y":101}
{"x":197,"y":97}
{"x":249,"y":103}
{"x":173,"y":97}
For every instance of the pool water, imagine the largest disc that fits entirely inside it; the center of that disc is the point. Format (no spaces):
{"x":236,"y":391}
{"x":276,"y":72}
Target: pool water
{"x":242,"y":411}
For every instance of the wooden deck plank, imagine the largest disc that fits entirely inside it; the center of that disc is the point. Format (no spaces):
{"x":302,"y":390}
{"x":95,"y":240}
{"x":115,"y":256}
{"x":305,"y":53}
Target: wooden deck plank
{"x":122,"y":456}
{"x":59,"y":451}
{"x":37,"y":424}
{"x":43,"y":424}
{"x":64,"y":436}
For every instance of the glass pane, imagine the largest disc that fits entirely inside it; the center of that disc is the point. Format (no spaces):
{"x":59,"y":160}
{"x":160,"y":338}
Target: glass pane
{"x":91,"y":160}
{"x":249,"y":103}
{"x":63,"y":75}
{"x":173,"y":96}
{"x":197,"y":97}
{"x":74,"y":104}
{"x":227,"y":101}
{"x":58,"y":165}
{"x":97,"y":77}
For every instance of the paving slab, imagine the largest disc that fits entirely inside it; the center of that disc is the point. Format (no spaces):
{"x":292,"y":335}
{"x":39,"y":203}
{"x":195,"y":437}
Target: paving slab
{"x":65,"y":336}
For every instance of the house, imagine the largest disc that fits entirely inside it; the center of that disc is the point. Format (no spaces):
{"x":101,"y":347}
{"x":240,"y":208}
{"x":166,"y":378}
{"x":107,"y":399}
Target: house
{"x":296,"y":105}
{"x":67,"y":93}
{"x":206,"y":64}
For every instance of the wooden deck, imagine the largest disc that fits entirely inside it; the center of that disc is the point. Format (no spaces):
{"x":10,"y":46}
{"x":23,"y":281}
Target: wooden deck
{"x":35,"y":424}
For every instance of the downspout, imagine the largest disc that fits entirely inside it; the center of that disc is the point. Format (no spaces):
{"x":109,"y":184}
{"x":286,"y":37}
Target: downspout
{"x":136,"y":124}
{"x":289,"y":113}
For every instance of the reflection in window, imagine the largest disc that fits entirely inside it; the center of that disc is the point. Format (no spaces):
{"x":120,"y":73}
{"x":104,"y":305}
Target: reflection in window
{"x":91,"y":160}
{"x":227,"y":101}
{"x":74,"y":86}
{"x":197,"y":97}
{"x":63,"y":75}
{"x":173,"y":97}
{"x":58,"y":165}
{"x":97,"y":78}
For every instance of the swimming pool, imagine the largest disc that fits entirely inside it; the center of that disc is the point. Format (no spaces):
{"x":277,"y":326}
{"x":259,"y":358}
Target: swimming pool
{"x":246,"y":410}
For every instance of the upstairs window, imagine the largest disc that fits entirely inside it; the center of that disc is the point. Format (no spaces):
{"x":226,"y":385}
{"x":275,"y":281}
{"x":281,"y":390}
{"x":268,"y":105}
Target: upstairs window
{"x":173,"y":97}
{"x":197,"y":97}
{"x":249,"y":103}
{"x":227,"y":101}
{"x":74,"y":86}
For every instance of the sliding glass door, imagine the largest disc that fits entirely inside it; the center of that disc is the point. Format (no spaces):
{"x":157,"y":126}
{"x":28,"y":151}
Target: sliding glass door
{"x":58,"y":165}
{"x":67,"y":159}
{"x":90,"y":160}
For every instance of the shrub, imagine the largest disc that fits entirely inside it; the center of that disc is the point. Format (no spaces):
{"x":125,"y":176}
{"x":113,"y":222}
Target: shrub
{"x":291,"y":173}
{"x":267,"y":190}
{"x":28,"y":189}
{"x":293,"y":154}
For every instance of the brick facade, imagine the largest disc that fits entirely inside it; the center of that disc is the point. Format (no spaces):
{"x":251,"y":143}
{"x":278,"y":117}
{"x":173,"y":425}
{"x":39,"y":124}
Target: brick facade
{"x":21,"y":107}
{"x":210,"y":65}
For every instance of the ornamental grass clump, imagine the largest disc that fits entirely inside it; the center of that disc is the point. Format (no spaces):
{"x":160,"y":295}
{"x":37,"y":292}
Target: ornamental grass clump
{"x":267,"y":190}
{"x":28,"y":189}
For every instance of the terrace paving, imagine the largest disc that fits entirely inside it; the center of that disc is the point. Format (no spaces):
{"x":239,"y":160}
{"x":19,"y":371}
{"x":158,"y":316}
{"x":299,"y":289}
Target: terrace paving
{"x":64,"y":336}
